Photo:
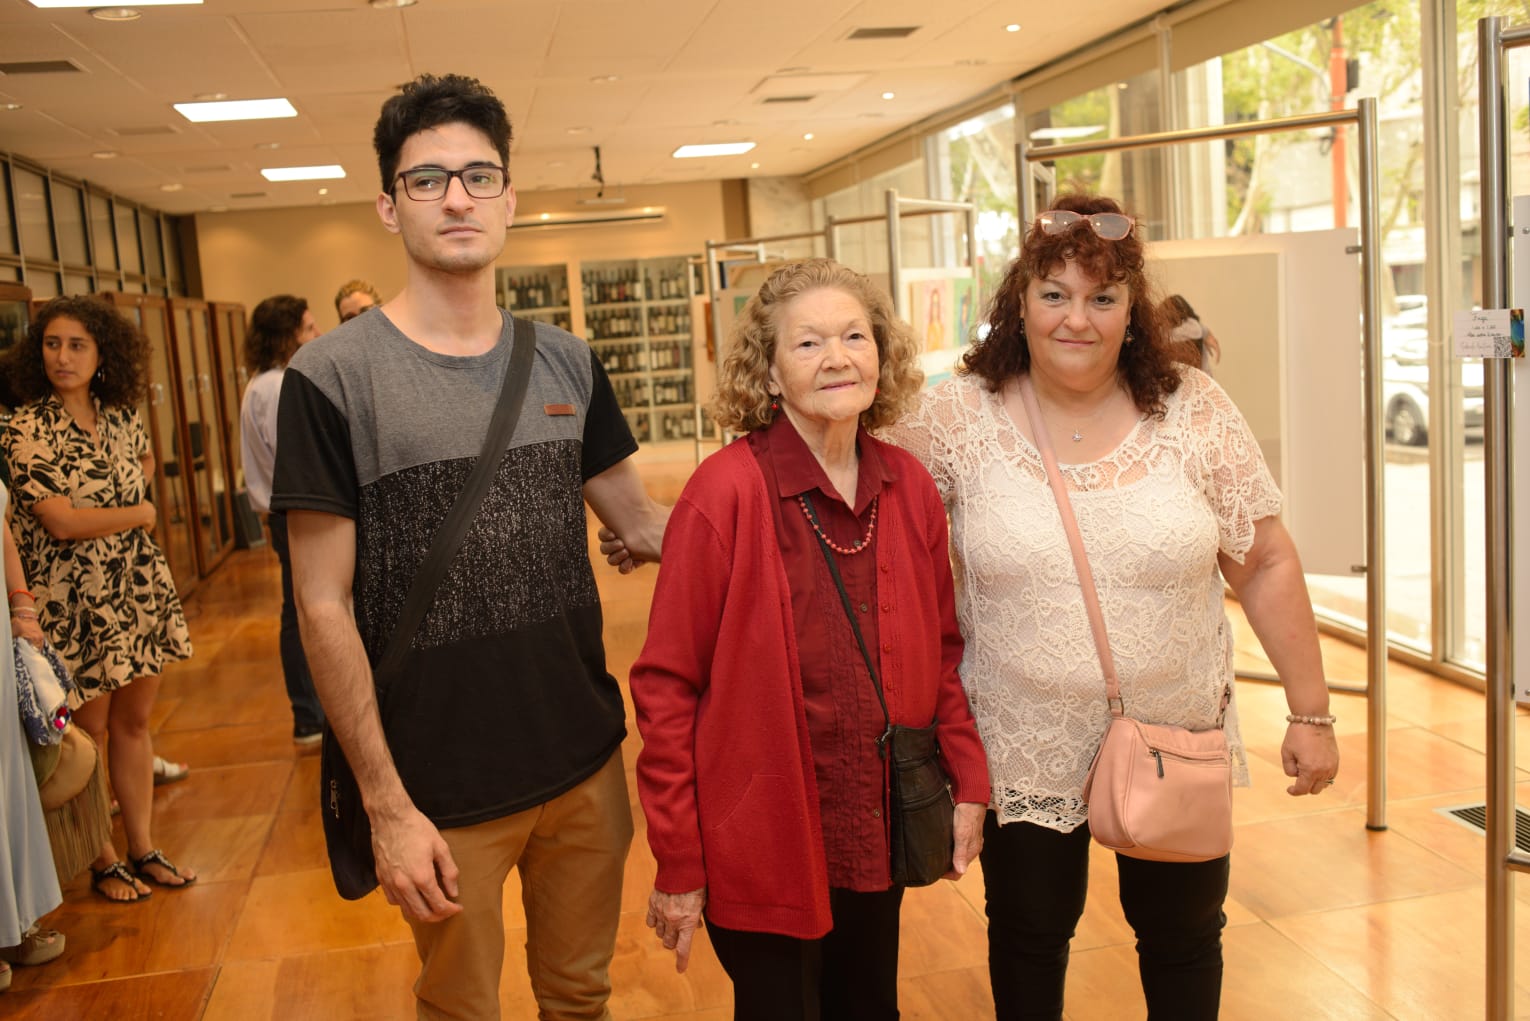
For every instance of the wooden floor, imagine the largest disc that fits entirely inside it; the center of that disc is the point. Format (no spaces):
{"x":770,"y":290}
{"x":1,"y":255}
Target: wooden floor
{"x":1326,"y":919}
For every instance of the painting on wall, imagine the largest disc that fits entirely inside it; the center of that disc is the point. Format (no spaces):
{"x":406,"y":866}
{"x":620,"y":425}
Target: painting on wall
{"x":964,"y":300}
{"x":932,"y":313}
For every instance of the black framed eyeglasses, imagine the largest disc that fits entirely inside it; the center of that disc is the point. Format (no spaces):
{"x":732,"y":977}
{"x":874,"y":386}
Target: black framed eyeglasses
{"x":1110,"y":226}
{"x":429,"y":184}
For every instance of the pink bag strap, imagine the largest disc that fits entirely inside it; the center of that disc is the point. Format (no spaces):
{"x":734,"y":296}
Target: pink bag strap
{"x":1076,"y":543}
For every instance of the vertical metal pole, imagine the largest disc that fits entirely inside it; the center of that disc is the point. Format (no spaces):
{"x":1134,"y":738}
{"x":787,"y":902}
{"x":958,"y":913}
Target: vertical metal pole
{"x":831,"y":238}
{"x":1375,"y":476}
{"x":1027,"y":192}
{"x":895,"y":256}
{"x":1499,"y":886}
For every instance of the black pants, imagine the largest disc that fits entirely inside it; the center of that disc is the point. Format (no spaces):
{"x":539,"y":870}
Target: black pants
{"x":849,"y":975}
{"x":1035,"y":881}
{"x":306,"y":712}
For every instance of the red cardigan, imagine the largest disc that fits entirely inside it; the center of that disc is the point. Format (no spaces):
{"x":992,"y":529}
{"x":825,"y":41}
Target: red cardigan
{"x":726,"y":772}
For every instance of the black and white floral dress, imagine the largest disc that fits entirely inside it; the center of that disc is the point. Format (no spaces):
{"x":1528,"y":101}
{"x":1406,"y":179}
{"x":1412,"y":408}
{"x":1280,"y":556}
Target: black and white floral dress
{"x":108,"y":604}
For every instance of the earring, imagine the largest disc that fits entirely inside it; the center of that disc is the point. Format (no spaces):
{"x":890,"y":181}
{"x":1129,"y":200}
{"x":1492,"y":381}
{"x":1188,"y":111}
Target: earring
{"x":1129,"y":337}
{"x":775,"y":405}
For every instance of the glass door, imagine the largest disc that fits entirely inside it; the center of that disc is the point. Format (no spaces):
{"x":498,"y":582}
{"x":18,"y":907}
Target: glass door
{"x":204,"y":461}
{"x":232,"y":377}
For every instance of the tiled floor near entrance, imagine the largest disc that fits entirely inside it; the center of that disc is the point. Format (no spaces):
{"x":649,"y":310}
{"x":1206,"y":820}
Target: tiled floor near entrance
{"x":1327,"y":920}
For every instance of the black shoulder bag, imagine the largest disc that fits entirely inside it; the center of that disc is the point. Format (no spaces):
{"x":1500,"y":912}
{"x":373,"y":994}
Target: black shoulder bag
{"x":347,"y":830}
{"x":921,"y":811}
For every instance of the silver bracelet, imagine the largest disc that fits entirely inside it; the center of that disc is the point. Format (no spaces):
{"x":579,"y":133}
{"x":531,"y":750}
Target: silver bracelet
{"x":1313,"y":721}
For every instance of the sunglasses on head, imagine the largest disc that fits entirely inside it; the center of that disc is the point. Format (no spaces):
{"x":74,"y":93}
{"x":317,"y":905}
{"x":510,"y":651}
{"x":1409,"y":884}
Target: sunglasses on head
{"x":1110,"y":226}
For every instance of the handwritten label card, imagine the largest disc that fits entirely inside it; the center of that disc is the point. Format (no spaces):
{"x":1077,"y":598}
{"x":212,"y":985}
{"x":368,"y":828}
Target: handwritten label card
{"x":1490,"y":333}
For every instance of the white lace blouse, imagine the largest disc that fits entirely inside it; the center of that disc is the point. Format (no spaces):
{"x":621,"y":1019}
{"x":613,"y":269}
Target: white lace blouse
{"x":1154,"y":515}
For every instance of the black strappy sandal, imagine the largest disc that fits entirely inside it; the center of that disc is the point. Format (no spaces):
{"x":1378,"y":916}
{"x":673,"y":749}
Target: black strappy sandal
{"x":157,"y":857}
{"x":118,"y":871}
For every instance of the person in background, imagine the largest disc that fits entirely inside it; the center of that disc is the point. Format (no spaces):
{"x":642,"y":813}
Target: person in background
{"x":1172,"y":496}
{"x":761,"y":774}
{"x":498,"y":744}
{"x":278,"y":327}
{"x":1191,"y":343}
{"x":28,"y":881}
{"x":354,"y":298}
{"x":80,"y":464}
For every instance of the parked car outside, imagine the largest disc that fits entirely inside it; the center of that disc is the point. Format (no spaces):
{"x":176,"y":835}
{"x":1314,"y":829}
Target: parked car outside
{"x":1405,"y":381}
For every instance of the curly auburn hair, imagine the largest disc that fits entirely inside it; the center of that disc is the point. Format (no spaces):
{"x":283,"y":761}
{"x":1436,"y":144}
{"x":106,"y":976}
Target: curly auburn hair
{"x":122,"y":375}
{"x":742,"y":401}
{"x":1145,"y":366}
{"x":273,"y":335}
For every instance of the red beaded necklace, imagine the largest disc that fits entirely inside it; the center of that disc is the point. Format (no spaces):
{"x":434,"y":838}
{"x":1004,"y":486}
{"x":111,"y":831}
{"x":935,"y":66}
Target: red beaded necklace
{"x":859,"y":547}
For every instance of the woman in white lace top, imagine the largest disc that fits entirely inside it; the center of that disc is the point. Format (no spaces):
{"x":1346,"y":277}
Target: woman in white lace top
{"x":1169,"y":486}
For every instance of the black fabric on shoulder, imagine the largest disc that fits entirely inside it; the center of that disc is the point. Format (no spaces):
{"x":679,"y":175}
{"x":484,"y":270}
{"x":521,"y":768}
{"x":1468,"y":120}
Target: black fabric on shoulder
{"x":315,"y":467}
{"x":607,"y":437}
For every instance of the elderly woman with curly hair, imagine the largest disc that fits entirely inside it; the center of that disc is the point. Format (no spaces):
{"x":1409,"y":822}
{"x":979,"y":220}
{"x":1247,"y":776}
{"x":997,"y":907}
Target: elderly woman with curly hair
{"x":80,"y":464}
{"x":1172,"y":496}
{"x":760,"y":774}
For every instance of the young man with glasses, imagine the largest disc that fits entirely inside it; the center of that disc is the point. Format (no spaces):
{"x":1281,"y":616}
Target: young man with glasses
{"x":498,"y":745}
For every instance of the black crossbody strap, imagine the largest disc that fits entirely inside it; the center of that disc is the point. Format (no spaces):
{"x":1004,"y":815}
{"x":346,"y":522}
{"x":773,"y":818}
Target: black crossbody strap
{"x":844,"y":598}
{"x":443,"y":547}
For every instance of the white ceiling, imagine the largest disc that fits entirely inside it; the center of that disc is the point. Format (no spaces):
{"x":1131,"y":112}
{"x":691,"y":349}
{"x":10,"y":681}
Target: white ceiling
{"x":686,"y":71}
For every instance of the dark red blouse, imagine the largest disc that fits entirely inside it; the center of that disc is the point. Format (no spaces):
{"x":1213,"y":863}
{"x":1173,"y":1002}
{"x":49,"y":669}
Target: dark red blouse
{"x":844,"y":718}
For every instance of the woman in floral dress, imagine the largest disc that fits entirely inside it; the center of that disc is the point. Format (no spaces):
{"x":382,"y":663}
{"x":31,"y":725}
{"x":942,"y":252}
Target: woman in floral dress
{"x":80,"y":463}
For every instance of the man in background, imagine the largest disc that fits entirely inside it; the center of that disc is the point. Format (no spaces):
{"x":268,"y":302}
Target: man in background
{"x":354,"y":298}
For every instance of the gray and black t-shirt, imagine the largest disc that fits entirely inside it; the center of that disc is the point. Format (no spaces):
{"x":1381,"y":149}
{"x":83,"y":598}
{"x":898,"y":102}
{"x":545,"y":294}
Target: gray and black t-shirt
{"x":505,"y":701}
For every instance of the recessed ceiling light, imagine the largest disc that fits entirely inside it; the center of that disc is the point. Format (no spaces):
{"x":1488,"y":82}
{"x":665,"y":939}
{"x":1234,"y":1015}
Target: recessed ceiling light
{"x":321,"y":173}
{"x":236,"y":110}
{"x":581,"y":130}
{"x":754,"y":166}
{"x":1011,"y":28}
{"x":889,"y":95}
{"x":171,"y":186}
{"x":268,"y":145}
{"x":323,"y":191}
{"x":808,"y":137}
{"x":54,"y":4}
{"x":545,"y":216}
{"x":210,"y":97}
{"x":115,"y":13}
{"x":10,"y":106}
{"x":383,"y":5}
{"x":105,"y":154}
{"x":697,"y":151}
{"x":605,"y":79}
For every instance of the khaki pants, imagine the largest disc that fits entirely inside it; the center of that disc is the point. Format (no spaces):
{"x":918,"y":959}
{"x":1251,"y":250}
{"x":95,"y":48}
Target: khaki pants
{"x":571,"y":852}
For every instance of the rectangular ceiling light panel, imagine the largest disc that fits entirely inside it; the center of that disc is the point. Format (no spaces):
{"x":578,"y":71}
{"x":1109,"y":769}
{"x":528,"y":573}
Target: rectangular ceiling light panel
{"x":686,"y":152}
{"x":236,"y":110}
{"x":49,"y":4}
{"x":327,"y":172}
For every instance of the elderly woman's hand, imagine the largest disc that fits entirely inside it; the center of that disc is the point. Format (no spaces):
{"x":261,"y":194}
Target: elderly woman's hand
{"x":967,"y":828}
{"x":1311,"y":754}
{"x":674,"y":918}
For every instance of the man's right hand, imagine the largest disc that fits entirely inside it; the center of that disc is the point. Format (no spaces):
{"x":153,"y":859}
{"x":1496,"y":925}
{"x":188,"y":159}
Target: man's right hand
{"x":415,"y":866}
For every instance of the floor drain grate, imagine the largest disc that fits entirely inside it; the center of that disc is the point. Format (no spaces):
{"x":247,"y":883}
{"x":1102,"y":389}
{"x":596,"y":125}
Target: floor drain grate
{"x":1475,"y":816}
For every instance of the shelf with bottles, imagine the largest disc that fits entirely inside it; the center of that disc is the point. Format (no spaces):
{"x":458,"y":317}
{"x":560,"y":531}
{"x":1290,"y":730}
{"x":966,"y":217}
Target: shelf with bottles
{"x":638,"y":422}
{"x":611,"y":284}
{"x":537,"y":292}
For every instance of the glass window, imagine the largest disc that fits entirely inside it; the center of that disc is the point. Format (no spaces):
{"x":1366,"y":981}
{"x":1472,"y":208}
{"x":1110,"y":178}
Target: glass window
{"x":101,"y":231}
{"x":78,"y":283}
{"x":863,"y":246}
{"x":7,"y":227}
{"x":69,"y":220}
{"x":153,"y":254}
{"x":31,"y":194}
{"x":127,"y":237}
{"x":1136,"y":178}
{"x":173,"y":255}
{"x":977,"y":164}
{"x":42,"y":284}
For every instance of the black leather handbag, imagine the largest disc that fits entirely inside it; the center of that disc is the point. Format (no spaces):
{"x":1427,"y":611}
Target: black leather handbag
{"x":921,"y":811}
{"x":347,"y":830}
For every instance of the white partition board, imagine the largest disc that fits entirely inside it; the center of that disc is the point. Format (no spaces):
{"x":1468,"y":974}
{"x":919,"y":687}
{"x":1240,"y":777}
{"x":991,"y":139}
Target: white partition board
{"x":1286,"y":309}
{"x":1519,"y":450}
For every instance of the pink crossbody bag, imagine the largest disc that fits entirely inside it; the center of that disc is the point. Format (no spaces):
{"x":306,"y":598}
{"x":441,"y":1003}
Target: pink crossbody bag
{"x":1155,"y":791}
